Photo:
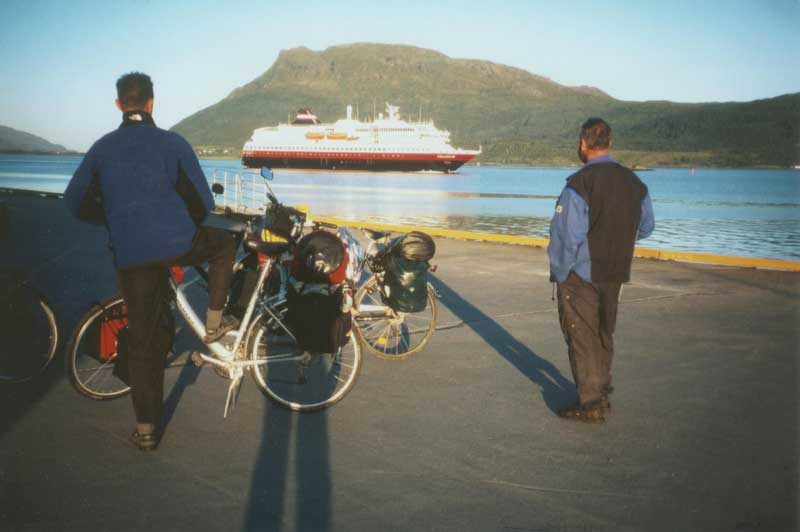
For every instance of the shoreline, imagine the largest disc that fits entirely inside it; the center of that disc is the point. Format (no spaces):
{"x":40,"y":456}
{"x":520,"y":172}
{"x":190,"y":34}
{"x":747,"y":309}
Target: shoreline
{"x":478,"y":164}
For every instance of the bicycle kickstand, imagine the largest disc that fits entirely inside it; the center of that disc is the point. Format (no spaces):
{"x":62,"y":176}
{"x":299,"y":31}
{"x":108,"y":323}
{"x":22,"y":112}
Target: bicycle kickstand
{"x":233,"y":393}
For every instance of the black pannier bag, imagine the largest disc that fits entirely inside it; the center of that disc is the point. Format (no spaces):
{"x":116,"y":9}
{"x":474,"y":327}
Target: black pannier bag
{"x":314,"y":296}
{"x":284,"y":221}
{"x":316,"y":319}
{"x":406,"y":275}
{"x":406,"y":282}
{"x":319,"y":255}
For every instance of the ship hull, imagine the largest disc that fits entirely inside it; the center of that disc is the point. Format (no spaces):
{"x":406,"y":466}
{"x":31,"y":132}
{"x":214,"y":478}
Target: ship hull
{"x":379,"y":163}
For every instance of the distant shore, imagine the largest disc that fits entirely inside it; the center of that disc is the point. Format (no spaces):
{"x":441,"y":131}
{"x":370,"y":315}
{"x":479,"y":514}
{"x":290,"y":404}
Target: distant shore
{"x":531,"y":164}
{"x":52,"y":153}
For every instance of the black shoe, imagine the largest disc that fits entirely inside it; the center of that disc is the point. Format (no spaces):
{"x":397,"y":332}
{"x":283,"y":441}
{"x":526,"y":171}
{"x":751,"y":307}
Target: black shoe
{"x":145,"y":442}
{"x":605,"y":403}
{"x":226,"y":324}
{"x":607,"y":390}
{"x":593,"y":412}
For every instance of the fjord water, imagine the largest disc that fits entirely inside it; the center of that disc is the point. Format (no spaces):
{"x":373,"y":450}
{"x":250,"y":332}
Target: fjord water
{"x":747,"y":212}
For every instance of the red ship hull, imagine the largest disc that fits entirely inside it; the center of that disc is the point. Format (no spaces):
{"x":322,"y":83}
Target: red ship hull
{"x":403,"y":162}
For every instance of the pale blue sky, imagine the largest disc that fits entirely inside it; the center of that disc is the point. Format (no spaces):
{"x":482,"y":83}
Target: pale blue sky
{"x":59,"y":59}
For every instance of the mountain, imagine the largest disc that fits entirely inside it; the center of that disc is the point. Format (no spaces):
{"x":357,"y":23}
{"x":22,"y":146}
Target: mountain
{"x":517,"y":116}
{"x":12,"y":140}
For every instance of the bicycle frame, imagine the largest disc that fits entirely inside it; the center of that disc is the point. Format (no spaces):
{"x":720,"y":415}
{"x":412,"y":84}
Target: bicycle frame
{"x":226,"y":357}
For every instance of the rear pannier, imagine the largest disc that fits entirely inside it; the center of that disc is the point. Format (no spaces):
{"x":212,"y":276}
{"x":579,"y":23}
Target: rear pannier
{"x":406,"y":274}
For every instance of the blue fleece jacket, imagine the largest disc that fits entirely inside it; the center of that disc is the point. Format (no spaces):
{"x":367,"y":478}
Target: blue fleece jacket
{"x":154,"y":192}
{"x":568,"y":249}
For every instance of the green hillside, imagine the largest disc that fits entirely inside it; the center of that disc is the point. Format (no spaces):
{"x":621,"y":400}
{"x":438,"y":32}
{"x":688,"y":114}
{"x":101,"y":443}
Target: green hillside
{"x":517,"y":117}
{"x":12,"y":140}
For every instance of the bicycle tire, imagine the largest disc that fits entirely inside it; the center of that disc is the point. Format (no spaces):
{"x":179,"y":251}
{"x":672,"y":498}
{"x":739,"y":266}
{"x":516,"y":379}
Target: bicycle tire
{"x":386,"y":336}
{"x":90,"y":374}
{"x":280,"y":382}
{"x":28,"y":351}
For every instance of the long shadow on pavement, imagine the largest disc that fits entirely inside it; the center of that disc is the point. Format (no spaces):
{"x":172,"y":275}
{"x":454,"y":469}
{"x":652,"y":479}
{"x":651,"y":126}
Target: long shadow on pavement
{"x":291,"y":485}
{"x":556,"y":389}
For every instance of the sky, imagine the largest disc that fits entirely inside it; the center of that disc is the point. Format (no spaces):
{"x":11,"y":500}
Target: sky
{"x":59,"y":60}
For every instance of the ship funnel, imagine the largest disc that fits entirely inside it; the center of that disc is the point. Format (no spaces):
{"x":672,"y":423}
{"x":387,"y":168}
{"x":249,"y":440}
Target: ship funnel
{"x":349,"y":112}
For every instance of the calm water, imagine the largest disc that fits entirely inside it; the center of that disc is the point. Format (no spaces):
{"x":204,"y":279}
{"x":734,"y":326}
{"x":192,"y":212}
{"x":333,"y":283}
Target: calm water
{"x":726,"y":211}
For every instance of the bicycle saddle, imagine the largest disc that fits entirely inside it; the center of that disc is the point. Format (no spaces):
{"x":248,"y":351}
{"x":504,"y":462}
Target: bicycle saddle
{"x":376,"y":235}
{"x":271,"y":249}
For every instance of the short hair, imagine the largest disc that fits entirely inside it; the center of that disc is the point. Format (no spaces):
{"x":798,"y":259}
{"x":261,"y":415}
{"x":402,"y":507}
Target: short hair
{"x":597,"y":134}
{"x":134,"y":89}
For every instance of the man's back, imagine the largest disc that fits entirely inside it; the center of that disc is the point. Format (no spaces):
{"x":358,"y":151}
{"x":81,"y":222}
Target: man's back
{"x":614,"y":195}
{"x":153,"y":192}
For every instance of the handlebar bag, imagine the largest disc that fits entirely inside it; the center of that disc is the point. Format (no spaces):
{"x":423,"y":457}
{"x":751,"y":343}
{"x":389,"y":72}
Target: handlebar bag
{"x":284,"y":221}
{"x":406,"y":283}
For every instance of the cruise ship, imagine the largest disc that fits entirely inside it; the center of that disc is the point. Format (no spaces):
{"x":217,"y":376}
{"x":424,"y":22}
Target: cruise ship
{"x":387,"y":143}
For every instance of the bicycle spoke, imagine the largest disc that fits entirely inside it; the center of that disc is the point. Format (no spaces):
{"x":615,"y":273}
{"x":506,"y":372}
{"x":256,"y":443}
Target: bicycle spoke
{"x":371,"y":328}
{"x":96,"y":373}
{"x":270,"y":359}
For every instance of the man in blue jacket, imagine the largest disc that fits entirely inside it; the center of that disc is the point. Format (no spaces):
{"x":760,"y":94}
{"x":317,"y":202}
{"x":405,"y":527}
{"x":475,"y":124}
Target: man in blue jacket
{"x":146,"y":185}
{"x":599,"y":216}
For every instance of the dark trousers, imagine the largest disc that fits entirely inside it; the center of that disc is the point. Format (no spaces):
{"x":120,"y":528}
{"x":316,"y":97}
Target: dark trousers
{"x":587,"y":313}
{"x":145,"y":290}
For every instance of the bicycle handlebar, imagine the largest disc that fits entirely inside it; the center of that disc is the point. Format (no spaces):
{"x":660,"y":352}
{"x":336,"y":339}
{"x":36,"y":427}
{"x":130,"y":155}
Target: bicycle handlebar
{"x":326,"y":224}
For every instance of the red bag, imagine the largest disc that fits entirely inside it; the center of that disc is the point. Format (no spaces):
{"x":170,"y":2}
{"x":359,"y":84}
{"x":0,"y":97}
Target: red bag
{"x":112,"y":322}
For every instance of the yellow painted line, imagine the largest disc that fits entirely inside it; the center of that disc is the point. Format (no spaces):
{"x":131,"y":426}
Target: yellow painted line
{"x":726,"y":260}
{"x":680,"y":256}
{"x":435,"y":231}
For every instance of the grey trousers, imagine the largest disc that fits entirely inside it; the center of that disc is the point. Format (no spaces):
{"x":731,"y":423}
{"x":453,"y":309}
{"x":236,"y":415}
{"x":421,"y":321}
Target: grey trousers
{"x":587,"y":313}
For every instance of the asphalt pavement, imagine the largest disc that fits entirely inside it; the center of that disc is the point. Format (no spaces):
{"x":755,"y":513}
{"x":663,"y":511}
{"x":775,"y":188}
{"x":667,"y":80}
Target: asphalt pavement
{"x":702,"y":434}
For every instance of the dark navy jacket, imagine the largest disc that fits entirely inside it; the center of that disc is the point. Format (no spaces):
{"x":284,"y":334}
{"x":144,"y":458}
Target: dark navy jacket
{"x":568,"y":249}
{"x":152,"y":191}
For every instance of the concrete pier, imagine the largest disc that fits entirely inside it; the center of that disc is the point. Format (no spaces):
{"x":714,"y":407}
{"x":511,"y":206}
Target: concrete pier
{"x":463,"y":436}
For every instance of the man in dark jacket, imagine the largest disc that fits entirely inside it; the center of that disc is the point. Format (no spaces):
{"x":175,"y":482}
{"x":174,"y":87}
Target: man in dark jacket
{"x":146,"y":185}
{"x":599,"y":216}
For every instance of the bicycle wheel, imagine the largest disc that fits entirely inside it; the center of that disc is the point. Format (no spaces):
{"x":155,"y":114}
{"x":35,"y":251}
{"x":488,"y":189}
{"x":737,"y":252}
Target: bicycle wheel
{"x":389,"y":334}
{"x":92,"y":350}
{"x":29,"y":332}
{"x":303,"y":382}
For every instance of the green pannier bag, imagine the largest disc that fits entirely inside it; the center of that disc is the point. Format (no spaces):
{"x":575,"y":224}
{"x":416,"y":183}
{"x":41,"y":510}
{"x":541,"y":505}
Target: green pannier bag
{"x":406,"y":283}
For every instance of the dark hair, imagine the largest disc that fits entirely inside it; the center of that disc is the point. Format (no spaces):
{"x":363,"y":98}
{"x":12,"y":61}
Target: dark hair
{"x":597,"y":134}
{"x":134,"y":89}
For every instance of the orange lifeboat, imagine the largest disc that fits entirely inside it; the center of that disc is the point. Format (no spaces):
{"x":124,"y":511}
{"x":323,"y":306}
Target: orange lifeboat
{"x":336,"y":136}
{"x":314,"y":135}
